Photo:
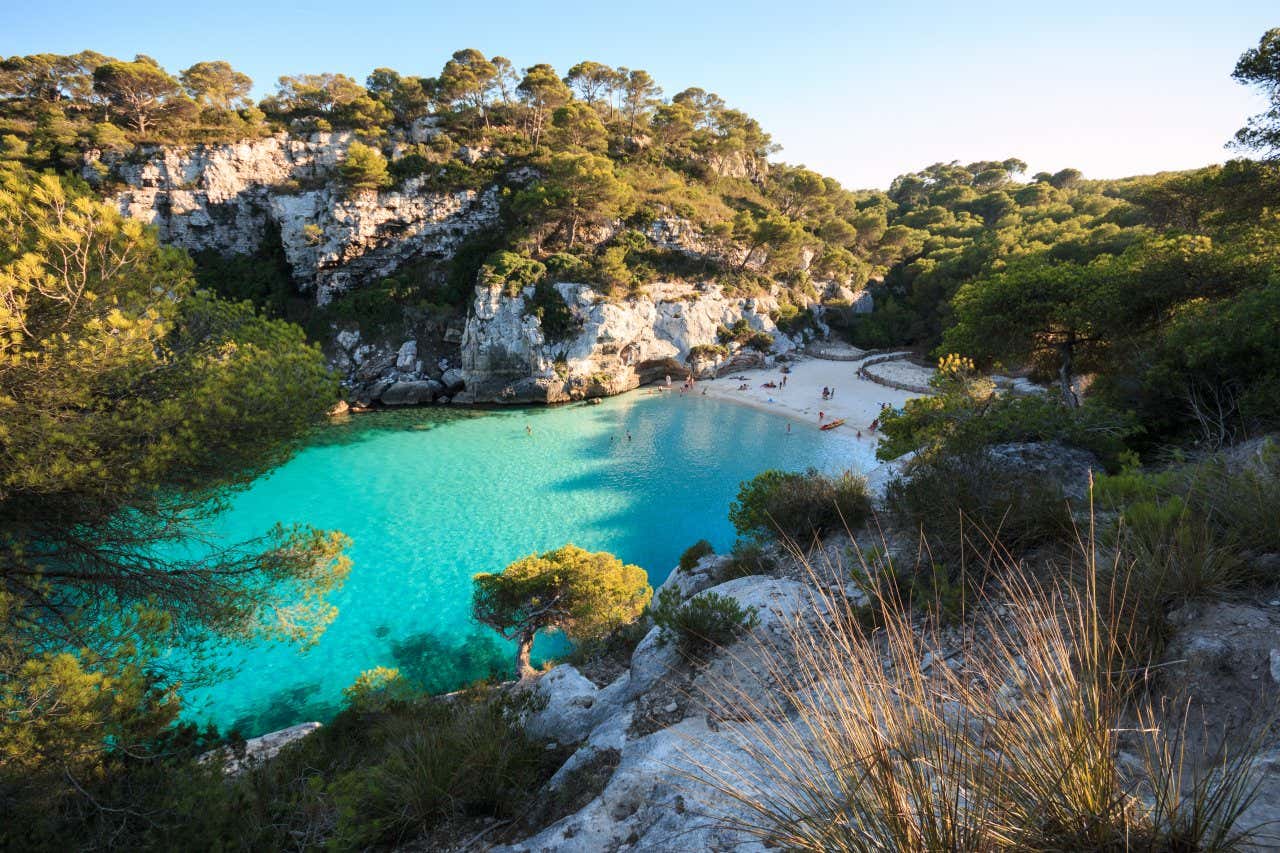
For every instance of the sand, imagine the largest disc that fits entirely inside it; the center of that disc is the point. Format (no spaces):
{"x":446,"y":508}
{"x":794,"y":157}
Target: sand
{"x":856,"y":400}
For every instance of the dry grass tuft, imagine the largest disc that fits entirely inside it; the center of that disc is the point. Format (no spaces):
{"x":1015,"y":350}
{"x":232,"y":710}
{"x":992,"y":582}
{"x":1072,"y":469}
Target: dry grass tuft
{"x":872,"y":740}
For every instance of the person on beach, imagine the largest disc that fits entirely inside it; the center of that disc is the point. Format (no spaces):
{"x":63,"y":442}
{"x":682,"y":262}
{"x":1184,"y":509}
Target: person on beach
{"x":668,"y":380}
{"x":788,"y":427}
{"x":821,"y":416}
{"x":859,"y":433}
{"x":528,"y":430}
{"x":628,"y":435}
{"x":833,"y":391}
{"x":825,"y":391}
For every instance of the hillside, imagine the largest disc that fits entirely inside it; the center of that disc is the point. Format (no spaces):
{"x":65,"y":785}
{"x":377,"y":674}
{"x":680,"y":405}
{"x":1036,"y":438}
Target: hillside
{"x":1047,"y":621}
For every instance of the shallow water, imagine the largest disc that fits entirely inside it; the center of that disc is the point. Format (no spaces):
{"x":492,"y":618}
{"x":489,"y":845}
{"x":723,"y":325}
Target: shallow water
{"x":430,"y":497}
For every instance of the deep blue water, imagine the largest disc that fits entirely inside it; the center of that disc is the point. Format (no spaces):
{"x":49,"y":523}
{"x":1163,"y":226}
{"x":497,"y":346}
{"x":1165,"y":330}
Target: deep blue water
{"x":430,"y":497}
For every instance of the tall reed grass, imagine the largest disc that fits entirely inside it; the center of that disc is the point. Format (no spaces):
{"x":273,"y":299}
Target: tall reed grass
{"x":1004,"y":733}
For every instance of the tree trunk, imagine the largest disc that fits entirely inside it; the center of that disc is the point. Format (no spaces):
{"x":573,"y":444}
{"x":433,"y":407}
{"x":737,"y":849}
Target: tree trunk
{"x":524,"y":669}
{"x":573,"y":231}
{"x":1066,"y":353}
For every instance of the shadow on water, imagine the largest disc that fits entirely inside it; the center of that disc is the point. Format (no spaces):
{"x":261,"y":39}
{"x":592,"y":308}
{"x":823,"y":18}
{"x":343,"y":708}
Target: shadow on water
{"x":285,"y":708}
{"x":426,"y":513}
{"x":437,"y":665}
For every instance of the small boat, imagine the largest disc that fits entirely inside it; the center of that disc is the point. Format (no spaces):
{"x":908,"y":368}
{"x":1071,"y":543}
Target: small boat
{"x":832,"y":424}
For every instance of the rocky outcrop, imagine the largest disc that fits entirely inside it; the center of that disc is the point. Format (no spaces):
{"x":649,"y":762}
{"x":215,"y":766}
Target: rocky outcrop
{"x":227,"y":198}
{"x":653,"y":800}
{"x":233,"y":198}
{"x":507,"y":357}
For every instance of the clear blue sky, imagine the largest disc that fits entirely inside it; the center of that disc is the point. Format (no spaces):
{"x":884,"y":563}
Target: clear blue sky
{"x":861,"y":91}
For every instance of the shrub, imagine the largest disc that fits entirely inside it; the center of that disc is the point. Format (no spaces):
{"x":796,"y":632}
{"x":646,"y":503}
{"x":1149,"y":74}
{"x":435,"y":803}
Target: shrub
{"x":746,"y":559}
{"x":1189,"y":532}
{"x":864,"y":748}
{"x":707,"y":351}
{"x":468,"y":756}
{"x":694,"y":553}
{"x":364,"y":168}
{"x":512,"y":272}
{"x":799,"y":505}
{"x":961,"y":502}
{"x":966,"y":414}
{"x":703,"y":622}
{"x":792,"y":319}
{"x":557,"y":318}
{"x":761,"y":341}
{"x":562,"y":266}
{"x":410,"y":166}
{"x":742,"y":334}
{"x":376,"y":688}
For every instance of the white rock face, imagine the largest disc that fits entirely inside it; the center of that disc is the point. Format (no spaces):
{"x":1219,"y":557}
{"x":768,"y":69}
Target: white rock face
{"x":619,"y":345}
{"x":654,"y":799}
{"x":225,"y":197}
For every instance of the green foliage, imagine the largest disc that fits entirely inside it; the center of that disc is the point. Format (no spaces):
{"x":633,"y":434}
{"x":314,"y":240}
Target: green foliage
{"x":557,"y":318}
{"x":966,"y":414}
{"x":131,"y":405}
{"x":263,"y":278}
{"x":960,"y":503}
{"x":799,"y":506}
{"x":577,"y":190}
{"x":1259,"y":67}
{"x":1188,"y":532}
{"x":694,"y":553}
{"x":391,"y":767}
{"x":364,"y":168}
{"x":742,"y":334}
{"x":706,"y":621}
{"x":747,"y":558}
{"x":711,"y":351}
{"x":583,"y":594}
{"x":512,"y":272}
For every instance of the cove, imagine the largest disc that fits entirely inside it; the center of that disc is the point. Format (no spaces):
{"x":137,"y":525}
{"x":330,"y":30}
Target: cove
{"x":429,"y":497}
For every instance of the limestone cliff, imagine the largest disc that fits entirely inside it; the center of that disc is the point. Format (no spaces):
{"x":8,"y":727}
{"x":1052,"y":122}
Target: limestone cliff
{"x":232,"y":198}
{"x":225,"y":197}
{"x":506,"y":357}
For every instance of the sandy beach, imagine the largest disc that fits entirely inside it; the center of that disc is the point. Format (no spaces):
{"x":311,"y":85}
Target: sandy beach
{"x":856,"y":400}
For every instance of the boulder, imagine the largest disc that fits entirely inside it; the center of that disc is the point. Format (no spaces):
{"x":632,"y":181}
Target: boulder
{"x":410,"y":393}
{"x":453,"y":379}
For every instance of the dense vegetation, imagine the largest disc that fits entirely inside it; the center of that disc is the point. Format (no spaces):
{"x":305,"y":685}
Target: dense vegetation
{"x":587,"y":163}
{"x":131,"y":404}
{"x":133,"y":401}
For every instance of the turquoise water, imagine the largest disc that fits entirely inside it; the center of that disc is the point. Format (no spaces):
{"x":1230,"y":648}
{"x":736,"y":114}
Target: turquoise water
{"x":430,"y":497}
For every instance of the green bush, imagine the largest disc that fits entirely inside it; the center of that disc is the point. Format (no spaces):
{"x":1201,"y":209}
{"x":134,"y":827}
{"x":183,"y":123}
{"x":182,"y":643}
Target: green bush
{"x":960,"y":503}
{"x":1191,"y":531}
{"x":564,"y":267}
{"x":703,"y":622}
{"x":512,"y":272}
{"x":694,"y":553}
{"x":364,"y":168}
{"x":747,"y":558}
{"x":465,"y":757}
{"x":707,"y":351}
{"x":800,"y":505}
{"x":966,"y":415}
{"x":557,"y":318}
